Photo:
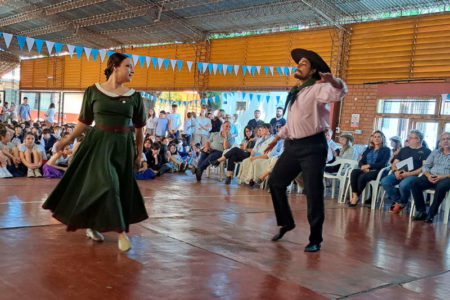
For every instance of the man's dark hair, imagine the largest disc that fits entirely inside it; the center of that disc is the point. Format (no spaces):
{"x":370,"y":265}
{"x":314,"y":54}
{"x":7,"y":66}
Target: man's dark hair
{"x":279,"y":107}
{"x":155,"y":146}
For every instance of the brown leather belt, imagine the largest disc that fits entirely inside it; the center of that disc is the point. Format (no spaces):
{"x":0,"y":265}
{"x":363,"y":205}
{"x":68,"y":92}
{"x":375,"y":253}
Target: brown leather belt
{"x":113,"y":129}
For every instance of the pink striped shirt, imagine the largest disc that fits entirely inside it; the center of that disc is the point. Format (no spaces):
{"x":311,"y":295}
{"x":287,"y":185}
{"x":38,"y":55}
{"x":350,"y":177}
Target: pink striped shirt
{"x":310,"y":113}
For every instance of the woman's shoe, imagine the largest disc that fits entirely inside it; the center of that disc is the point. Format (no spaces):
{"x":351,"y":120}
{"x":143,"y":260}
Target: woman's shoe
{"x":123,"y":242}
{"x":94,"y":235}
{"x":354,"y":204}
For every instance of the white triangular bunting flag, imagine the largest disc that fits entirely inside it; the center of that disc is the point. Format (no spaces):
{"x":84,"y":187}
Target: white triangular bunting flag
{"x":236,"y":69}
{"x":160,"y":62}
{"x":225,"y":69}
{"x":173,"y":63}
{"x":30,"y":43}
{"x":189,"y":64}
{"x":258,"y":69}
{"x":135,"y":59}
{"x":49,"y":46}
{"x":282,"y":70}
{"x":88,"y":52}
{"x":147,"y":61}
{"x":7,"y":37}
{"x":205,"y":66}
{"x":214,"y":68}
{"x":249,"y":69}
{"x":70,"y":48}
{"x":102,"y":54}
{"x":271,"y":70}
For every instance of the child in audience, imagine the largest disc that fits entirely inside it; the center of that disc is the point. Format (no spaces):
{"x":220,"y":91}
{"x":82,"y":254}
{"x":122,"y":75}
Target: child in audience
{"x":30,"y":155}
{"x":4,"y":173}
{"x":174,"y":158}
{"x":57,"y":164}
{"x":156,"y":161}
{"x":144,"y":172}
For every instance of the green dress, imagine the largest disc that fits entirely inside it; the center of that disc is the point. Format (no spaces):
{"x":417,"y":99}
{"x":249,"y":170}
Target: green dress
{"x":99,"y":189}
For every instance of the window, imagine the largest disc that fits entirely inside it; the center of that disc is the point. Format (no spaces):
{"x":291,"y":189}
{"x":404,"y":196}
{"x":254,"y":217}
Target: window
{"x":445,"y":104}
{"x":407,"y":106}
{"x":394,"y":127}
{"x":430,"y":132}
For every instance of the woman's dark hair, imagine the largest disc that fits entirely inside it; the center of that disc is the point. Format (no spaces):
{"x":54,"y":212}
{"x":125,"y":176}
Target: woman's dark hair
{"x":251,"y":130}
{"x":155,"y":146}
{"x":383,"y":138}
{"x":153,"y":115}
{"x":52,"y":105}
{"x":114,"y":61}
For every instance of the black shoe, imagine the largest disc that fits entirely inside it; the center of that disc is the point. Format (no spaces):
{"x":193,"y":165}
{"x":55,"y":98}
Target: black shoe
{"x":251,"y":183}
{"x":214,"y":163}
{"x":368,"y":201}
{"x":198,"y":174}
{"x":420,"y":216}
{"x":228,"y":180}
{"x":282,"y":231}
{"x":354,"y":204}
{"x":429,"y":219}
{"x":312,"y":247}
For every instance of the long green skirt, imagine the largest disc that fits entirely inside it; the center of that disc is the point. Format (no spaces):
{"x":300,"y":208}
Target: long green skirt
{"x":99,"y":190}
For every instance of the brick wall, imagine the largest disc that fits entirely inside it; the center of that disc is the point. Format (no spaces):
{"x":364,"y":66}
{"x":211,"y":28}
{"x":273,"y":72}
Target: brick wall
{"x":360,"y":99}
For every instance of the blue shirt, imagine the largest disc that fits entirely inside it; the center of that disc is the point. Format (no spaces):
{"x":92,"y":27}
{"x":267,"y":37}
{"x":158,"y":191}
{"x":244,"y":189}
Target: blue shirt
{"x":372,"y":156}
{"x":24,"y":111}
{"x":161,"y":126}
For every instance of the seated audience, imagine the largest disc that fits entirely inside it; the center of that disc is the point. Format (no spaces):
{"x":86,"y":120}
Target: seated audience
{"x":257,"y":163}
{"x":157,"y":162}
{"x":402,"y":176}
{"x":396,"y":145}
{"x":235,"y":154}
{"x":4,"y":173}
{"x":346,"y":152}
{"x":372,"y":161}
{"x":436,"y":174}
{"x":214,"y":147}
{"x":332,"y":146}
{"x":144,"y":173}
{"x":30,"y":155}
{"x":57,"y":164}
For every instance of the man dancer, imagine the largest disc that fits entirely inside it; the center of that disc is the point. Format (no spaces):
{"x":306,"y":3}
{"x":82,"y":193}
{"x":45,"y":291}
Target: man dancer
{"x":305,"y":146}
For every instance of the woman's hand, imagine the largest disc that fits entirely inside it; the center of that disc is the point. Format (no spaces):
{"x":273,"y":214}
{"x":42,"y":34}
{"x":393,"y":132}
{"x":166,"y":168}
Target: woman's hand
{"x":137,"y":161}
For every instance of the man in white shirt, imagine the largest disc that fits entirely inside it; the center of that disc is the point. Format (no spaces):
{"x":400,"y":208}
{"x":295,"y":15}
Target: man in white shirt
{"x":203,"y":125}
{"x":174,"y":122}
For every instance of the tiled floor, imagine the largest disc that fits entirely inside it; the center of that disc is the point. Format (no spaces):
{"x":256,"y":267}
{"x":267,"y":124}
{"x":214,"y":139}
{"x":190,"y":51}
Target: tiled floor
{"x":208,"y":240}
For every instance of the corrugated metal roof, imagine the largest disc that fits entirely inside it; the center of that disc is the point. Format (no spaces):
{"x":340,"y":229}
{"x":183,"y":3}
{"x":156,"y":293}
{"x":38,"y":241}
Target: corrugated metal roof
{"x":109,"y":23}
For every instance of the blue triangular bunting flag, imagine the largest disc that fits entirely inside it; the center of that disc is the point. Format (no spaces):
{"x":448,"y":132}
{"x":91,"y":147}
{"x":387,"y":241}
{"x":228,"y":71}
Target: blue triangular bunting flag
{"x":58,"y":47}
{"x":79,"y":51}
{"x":266,"y":70}
{"x":200,"y":66}
{"x":267,"y":99}
{"x":279,"y":70}
{"x":142,"y":60}
{"x":258,"y":97}
{"x":251,"y":97}
{"x":94,"y":53}
{"x":39,"y":43}
{"x":253,"y":70}
{"x":21,"y":40}
{"x":166,"y":63}
{"x":278,"y":99}
{"x":244,"y":69}
{"x":154,"y":61}
{"x":179,"y":64}
{"x":243,"y":95}
{"x":210,"y":68}
{"x":220,"y":66}
{"x":109,"y":53}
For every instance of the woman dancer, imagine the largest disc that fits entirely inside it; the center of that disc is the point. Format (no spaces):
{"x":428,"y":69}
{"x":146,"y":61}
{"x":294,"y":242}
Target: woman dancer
{"x":99,"y":191}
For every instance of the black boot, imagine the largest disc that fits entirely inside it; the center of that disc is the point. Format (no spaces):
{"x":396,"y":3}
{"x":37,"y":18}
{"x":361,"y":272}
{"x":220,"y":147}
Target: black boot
{"x":228,"y":180}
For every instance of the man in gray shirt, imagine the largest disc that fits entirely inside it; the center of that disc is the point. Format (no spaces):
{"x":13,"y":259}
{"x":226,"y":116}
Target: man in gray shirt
{"x":217,"y":143}
{"x":436,"y":174}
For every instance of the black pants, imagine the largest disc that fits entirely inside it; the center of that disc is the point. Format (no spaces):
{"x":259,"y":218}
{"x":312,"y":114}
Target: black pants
{"x":332,"y":169}
{"x":440,"y":189}
{"x":235,"y":155}
{"x":359,"y":179}
{"x":307,"y":155}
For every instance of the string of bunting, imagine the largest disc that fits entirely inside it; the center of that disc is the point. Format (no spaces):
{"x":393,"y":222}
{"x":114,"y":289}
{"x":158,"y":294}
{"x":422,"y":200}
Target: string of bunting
{"x":215,"y":99}
{"x":146,"y":61}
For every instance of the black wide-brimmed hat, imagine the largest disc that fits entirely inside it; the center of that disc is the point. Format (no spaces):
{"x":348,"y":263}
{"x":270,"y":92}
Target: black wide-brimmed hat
{"x":313,"y":57}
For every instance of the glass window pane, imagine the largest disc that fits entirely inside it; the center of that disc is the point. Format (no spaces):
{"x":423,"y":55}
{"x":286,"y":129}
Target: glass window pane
{"x":447,"y":127}
{"x":407,"y":106}
{"x":445,"y":105}
{"x":46,"y":99}
{"x":430,"y":132}
{"x":72,"y":107}
{"x":394,"y":127}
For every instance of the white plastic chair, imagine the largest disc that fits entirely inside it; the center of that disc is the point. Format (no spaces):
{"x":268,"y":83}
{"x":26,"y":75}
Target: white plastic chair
{"x":375,"y":186}
{"x":341,"y":175}
{"x":220,"y":170}
{"x":444,"y":205}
